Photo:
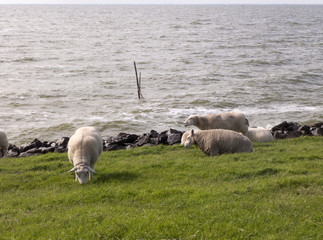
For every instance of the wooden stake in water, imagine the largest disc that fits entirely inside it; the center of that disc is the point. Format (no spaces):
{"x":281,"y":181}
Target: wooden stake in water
{"x":138,"y":82}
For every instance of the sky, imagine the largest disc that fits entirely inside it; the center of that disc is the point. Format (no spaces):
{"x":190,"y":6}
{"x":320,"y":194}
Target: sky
{"x":161,"y":1}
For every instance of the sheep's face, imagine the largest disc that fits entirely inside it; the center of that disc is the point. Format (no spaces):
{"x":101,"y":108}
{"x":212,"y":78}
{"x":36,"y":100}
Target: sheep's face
{"x":82,"y":172}
{"x":191,"y":120}
{"x":189,"y":141}
{"x":81,"y":175}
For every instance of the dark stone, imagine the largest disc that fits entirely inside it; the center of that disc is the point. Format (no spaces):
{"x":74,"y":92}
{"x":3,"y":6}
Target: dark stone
{"x":162,"y":138}
{"x":122,"y":139}
{"x":13,"y":148}
{"x":113,"y":147}
{"x":174,"y":138}
{"x":12,"y":153}
{"x":286,"y":126}
{"x":305,"y":130}
{"x":28,"y":146}
{"x":33,"y":151}
{"x":60,"y":149}
{"x":44,"y":150}
{"x":293,"y":134}
{"x":63,"y":141}
{"x":278,"y":134}
{"x":174,"y":131}
{"x":142,"y":140}
{"x":318,"y":125}
{"x":25,"y":154}
{"x":153,"y":134}
{"x":154,"y":141}
{"x":317,"y":131}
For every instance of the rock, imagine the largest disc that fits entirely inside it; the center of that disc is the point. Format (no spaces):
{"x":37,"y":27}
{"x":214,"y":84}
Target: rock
{"x":25,"y":154}
{"x":34,"y":144}
{"x":44,"y":150}
{"x":317,"y":131}
{"x":162,"y":138}
{"x":12,"y":153}
{"x":318,"y":125}
{"x":153,"y":134}
{"x":62,"y":142}
{"x":144,"y":139}
{"x":113,"y":147}
{"x":33,"y":151}
{"x":154,"y":141}
{"x":174,"y":136}
{"x":293,"y":134}
{"x":286,"y":126}
{"x":60,"y":149}
{"x":305,"y":130}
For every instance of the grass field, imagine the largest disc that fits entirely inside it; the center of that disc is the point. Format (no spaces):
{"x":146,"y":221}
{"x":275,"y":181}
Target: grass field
{"x":168,"y":192}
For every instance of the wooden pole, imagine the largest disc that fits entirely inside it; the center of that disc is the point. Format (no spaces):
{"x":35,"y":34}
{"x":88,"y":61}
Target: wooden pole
{"x":138,"y":79}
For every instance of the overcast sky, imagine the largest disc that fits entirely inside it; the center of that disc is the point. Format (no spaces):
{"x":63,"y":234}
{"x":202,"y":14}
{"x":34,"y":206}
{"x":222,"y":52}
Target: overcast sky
{"x":161,"y":1}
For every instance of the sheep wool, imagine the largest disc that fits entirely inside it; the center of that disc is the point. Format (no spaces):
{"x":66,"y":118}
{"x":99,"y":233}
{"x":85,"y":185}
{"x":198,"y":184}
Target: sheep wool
{"x":219,"y":141}
{"x":3,"y":143}
{"x":259,"y":134}
{"x":84,"y":149}
{"x":235,"y":121}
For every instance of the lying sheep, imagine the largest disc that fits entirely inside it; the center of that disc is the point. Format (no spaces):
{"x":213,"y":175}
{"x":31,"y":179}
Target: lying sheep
{"x":259,"y":134}
{"x":235,"y":121}
{"x":84,"y":149}
{"x":185,"y":135}
{"x":3,"y":143}
{"x":219,"y":141}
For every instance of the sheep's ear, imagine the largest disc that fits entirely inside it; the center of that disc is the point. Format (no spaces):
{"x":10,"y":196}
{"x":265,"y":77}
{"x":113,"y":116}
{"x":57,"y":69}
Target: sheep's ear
{"x":72,"y":170}
{"x":192,"y":132}
{"x":91,"y":169}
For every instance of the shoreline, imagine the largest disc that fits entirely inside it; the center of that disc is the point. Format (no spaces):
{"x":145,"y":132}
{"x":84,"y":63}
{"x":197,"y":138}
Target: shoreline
{"x":284,"y":130}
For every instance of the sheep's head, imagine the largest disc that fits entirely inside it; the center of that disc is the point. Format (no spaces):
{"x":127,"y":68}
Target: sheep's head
{"x":191,"y":120}
{"x":82,"y":173}
{"x":190,"y":140}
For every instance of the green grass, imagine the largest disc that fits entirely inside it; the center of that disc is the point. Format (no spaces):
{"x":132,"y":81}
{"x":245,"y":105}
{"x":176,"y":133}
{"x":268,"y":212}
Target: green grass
{"x":168,"y":192}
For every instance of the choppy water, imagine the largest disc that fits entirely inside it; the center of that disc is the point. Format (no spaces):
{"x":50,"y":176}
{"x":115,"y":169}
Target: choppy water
{"x":62,"y":67}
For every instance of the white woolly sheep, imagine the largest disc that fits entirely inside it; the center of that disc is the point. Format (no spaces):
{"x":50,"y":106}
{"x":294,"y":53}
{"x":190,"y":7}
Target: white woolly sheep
{"x":234,"y":121}
{"x":3,"y":143}
{"x":259,"y":134}
{"x":185,"y":135}
{"x":219,"y":141}
{"x":84,"y":149}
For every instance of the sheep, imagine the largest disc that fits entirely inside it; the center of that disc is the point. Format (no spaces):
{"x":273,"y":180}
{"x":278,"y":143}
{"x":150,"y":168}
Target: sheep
{"x":84,"y":149}
{"x":259,"y":134}
{"x":219,"y":141}
{"x":235,"y":121}
{"x":185,"y":135}
{"x":3,"y":143}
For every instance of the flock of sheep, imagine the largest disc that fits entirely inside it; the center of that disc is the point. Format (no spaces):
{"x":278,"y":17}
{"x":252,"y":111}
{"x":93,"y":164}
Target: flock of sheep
{"x":227,"y":132}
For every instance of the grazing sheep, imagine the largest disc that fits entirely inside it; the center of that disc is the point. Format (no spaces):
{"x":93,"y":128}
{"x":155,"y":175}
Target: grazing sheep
{"x":235,"y":121}
{"x":219,"y":141}
{"x":84,"y":149}
{"x":259,"y":134}
{"x":3,"y":143}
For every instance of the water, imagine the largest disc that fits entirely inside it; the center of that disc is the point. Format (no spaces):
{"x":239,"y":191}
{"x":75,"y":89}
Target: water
{"x":62,"y":67}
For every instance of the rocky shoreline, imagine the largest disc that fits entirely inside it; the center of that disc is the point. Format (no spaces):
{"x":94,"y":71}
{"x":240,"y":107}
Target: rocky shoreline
{"x":284,"y":130}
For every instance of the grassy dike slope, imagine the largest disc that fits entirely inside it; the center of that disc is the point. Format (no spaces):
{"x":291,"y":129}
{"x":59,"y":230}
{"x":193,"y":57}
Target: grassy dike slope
{"x":168,"y":192}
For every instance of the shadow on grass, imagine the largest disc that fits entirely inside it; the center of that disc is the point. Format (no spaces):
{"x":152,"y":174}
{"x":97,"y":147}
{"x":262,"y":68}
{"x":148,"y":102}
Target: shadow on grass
{"x":124,"y":176}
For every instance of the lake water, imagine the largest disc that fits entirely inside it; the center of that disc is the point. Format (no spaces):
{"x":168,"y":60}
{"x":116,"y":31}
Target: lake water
{"x":63,"y":67}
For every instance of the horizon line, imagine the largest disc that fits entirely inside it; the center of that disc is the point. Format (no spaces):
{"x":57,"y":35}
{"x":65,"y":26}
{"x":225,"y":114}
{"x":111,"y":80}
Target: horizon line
{"x":162,"y":4}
